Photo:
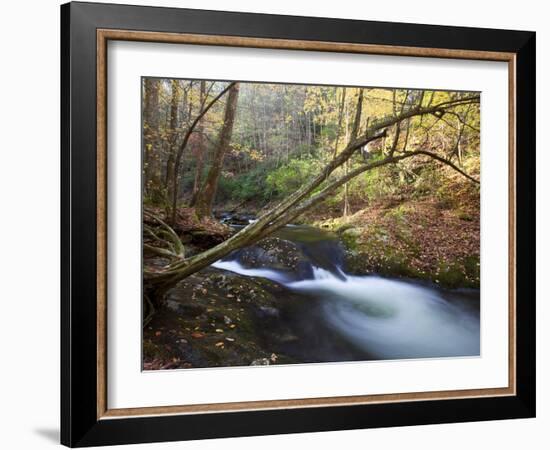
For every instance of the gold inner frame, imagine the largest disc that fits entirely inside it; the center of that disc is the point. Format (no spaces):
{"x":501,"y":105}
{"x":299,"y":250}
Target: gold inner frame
{"x":103,"y":36}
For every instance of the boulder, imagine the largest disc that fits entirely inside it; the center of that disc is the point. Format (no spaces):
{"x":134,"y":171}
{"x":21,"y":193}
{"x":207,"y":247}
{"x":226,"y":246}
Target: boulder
{"x":277,"y":254}
{"x":261,"y":362}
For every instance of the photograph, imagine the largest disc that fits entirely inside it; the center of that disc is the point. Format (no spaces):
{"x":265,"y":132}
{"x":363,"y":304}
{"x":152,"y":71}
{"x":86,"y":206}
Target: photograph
{"x":298,"y":224}
{"x":288,"y":221}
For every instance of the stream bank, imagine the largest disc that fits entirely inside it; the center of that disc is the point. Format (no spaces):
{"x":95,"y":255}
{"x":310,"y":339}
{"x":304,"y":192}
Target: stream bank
{"x":291,"y":299}
{"x":210,"y":320}
{"x":418,"y":239}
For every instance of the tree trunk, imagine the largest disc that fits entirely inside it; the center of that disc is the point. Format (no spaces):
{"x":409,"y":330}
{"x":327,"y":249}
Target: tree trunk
{"x":205,"y":198}
{"x":181,"y":149}
{"x":150,"y":136}
{"x":340,"y":117}
{"x":173,"y":136}
{"x":346,"y":209}
{"x":157,"y":282}
{"x":354,"y":132}
{"x":200,"y":152}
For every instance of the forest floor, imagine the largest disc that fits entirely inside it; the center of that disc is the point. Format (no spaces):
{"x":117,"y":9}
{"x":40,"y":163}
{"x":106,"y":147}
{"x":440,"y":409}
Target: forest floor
{"x":209,"y":321}
{"x":423,"y":238}
{"x":211,"y":317}
{"x":195,"y":235}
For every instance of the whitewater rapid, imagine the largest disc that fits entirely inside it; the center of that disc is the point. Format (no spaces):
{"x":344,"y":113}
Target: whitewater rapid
{"x":388,"y":318}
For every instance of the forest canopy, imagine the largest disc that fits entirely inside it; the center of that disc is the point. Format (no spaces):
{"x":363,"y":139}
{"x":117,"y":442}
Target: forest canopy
{"x":284,"y":134}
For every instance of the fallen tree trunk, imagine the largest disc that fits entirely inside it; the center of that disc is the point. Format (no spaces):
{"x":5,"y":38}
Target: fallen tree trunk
{"x":158,"y":281}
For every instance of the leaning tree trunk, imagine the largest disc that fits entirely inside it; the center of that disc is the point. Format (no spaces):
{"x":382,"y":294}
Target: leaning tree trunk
{"x":352,"y":137}
{"x":205,"y":198}
{"x":158,"y":281}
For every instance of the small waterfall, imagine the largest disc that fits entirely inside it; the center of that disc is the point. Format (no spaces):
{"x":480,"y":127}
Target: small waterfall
{"x":388,"y":318}
{"x":395,"y":319}
{"x":323,"y":274}
{"x":236,"y":267}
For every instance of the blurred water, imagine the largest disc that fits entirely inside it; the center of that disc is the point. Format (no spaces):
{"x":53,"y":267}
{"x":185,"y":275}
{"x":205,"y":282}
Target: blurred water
{"x":386,"y":318}
{"x":236,"y":267}
{"x":395,"y":319}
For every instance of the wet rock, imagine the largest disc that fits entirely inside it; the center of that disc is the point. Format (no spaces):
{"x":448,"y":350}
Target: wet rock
{"x":205,"y":239}
{"x":261,"y":362}
{"x":304,"y":270}
{"x":243,"y":219}
{"x":235,"y":218}
{"x":285,"y":337}
{"x":273,"y":253}
{"x":268,"y":312}
{"x":185,"y":309}
{"x":212,"y":306}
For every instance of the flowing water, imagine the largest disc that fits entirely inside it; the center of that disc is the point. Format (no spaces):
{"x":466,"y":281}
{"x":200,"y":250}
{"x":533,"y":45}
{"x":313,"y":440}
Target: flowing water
{"x":329,"y":315}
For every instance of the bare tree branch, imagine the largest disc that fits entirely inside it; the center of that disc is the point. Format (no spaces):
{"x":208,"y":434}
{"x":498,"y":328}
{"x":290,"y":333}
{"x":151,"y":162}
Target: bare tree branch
{"x":173,"y":240}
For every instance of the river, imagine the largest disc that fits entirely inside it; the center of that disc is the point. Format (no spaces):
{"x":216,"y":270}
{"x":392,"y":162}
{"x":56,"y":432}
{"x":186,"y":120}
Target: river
{"x":327,"y":314}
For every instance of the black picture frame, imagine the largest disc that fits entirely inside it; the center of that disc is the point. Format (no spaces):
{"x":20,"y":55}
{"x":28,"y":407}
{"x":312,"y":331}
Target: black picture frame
{"x":80,"y":425}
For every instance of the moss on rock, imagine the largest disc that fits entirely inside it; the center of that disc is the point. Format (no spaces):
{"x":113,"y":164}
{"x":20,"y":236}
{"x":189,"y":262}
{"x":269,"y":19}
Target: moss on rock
{"x":413,"y":240}
{"x":210,"y":320}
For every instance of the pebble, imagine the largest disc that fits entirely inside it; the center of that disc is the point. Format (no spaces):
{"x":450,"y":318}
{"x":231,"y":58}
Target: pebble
{"x":260,"y":362}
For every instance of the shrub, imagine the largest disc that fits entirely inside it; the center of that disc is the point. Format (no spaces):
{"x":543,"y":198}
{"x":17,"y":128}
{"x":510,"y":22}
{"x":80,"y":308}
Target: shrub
{"x":290,"y":177}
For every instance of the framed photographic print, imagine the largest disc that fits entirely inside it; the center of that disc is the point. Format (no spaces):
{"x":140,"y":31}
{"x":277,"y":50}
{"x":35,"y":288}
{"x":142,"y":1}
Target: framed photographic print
{"x":276,"y":224}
